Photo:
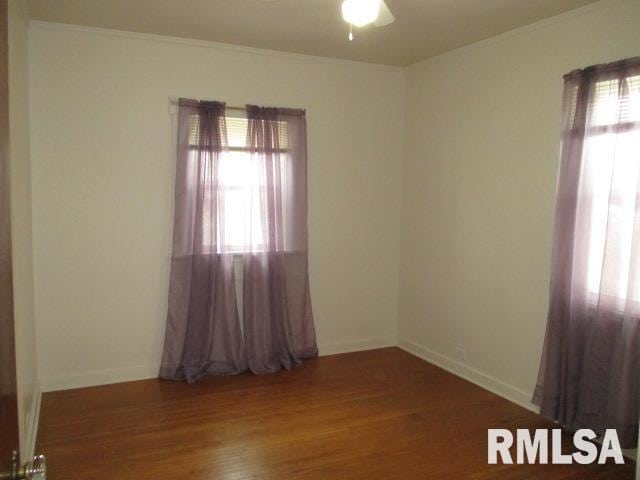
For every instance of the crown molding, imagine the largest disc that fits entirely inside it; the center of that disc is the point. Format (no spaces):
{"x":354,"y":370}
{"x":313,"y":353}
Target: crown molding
{"x":228,"y":47}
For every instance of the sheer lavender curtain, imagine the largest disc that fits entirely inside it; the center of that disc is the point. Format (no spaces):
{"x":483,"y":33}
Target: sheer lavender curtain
{"x":278,"y":321}
{"x":203,"y":335}
{"x":591,"y":359}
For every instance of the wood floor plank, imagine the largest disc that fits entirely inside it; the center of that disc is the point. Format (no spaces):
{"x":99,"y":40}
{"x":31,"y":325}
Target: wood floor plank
{"x":381,"y":414}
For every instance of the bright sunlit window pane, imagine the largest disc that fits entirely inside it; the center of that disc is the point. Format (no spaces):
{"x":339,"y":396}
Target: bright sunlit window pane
{"x":611,"y":162}
{"x":241,"y":186}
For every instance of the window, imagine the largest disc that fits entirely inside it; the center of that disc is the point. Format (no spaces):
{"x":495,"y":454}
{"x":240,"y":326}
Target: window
{"x":589,"y":370}
{"x":609,"y":189}
{"x":241,"y":185}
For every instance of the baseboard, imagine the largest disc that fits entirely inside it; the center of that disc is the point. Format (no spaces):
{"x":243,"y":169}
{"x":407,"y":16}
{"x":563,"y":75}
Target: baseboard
{"x":105,"y":377}
{"x":357,"y":345}
{"x":475,"y":376}
{"x":99,"y":377}
{"x":29,"y":447}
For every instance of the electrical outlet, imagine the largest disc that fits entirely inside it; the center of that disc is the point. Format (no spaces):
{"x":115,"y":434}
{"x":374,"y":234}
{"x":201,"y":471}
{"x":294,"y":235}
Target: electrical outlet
{"x":461,"y":353}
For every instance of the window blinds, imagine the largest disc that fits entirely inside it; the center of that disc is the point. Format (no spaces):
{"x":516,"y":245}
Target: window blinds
{"x":237,"y":130}
{"x":614,"y":102}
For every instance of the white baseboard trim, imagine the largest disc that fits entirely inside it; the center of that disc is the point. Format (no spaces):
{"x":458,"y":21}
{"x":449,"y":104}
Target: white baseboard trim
{"x":118,"y":375}
{"x":477,"y":377}
{"x":484,"y":380}
{"x":99,"y":377}
{"x":357,"y":345}
{"x":32,"y":426}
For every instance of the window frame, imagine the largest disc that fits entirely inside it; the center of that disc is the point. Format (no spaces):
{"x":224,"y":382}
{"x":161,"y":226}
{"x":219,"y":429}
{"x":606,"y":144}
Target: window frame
{"x":235,"y":249}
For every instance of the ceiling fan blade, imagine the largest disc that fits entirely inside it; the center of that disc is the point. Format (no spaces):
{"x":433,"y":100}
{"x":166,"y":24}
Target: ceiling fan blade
{"x":385,"y":17}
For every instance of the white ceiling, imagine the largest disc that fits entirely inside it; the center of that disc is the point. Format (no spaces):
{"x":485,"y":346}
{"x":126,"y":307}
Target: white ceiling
{"x":423,"y":28}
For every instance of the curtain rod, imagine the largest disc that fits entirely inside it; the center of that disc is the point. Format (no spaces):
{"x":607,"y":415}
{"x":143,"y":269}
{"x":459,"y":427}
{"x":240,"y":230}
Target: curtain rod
{"x":175,"y":101}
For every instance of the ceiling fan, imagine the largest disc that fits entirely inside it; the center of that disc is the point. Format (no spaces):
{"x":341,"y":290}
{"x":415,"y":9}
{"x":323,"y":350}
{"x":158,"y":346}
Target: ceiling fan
{"x":364,"y":12}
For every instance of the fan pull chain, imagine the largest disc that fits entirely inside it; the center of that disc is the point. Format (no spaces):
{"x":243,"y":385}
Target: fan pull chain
{"x":351,"y":32}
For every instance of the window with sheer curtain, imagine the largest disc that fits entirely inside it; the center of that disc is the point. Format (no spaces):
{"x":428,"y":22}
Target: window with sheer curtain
{"x":611,"y":164}
{"x":588,"y":375}
{"x":240,"y":188}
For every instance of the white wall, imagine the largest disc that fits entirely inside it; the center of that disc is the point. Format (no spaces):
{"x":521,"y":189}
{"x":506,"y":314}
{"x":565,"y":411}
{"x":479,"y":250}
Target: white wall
{"x":481,"y":156}
{"x":103,"y":190}
{"x":28,"y":393}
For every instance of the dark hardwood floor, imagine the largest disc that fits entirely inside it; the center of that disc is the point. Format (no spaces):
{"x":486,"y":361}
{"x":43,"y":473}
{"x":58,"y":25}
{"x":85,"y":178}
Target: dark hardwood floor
{"x":381,"y":414}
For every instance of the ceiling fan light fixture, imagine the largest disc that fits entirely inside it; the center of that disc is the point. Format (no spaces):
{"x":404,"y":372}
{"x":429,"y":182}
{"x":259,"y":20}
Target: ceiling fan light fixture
{"x":360,"y":12}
